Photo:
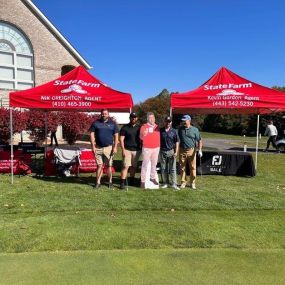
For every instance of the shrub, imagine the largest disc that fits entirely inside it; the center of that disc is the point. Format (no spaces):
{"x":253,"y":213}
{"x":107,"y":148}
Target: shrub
{"x":36,"y":123}
{"x":74,"y":124}
{"x":19,"y":123}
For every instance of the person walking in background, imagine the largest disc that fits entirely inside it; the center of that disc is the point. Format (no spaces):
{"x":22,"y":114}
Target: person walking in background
{"x":150,"y":136}
{"x":53,"y":137}
{"x":189,"y":139}
{"x":104,"y":141}
{"x":169,"y":147}
{"x":131,"y":149}
{"x":271,"y":132}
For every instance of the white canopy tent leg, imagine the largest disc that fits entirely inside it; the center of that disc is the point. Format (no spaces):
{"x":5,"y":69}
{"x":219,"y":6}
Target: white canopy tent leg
{"x":170,"y":112}
{"x":12,"y":147}
{"x":257,"y":141}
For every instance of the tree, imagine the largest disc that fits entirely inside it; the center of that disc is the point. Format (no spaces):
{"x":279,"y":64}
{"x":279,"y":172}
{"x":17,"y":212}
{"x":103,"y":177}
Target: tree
{"x":227,"y":124}
{"x":159,"y":105}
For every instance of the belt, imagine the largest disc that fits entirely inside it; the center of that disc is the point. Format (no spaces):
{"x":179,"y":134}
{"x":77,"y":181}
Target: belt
{"x":103,"y":146}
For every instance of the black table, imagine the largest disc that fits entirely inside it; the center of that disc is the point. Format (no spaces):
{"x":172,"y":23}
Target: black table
{"x":226,"y":163}
{"x":37,"y":162}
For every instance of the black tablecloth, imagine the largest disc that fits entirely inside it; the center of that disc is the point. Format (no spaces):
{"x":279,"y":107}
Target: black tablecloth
{"x":226,"y":163}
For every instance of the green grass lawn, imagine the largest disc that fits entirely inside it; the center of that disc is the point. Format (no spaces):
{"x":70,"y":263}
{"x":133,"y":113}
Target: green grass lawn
{"x":167,"y":266}
{"x":61,"y":231}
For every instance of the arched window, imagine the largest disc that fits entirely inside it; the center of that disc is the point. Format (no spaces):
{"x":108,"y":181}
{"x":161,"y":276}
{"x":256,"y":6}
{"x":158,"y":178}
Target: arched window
{"x":16,"y":59}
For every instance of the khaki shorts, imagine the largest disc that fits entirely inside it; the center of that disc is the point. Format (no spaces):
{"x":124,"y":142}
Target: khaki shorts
{"x":104,"y":154}
{"x":131,"y":158}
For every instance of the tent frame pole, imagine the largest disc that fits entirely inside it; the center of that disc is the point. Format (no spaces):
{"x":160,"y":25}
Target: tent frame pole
{"x":170,"y":112}
{"x":257,"y":141}
{"x":12,"y":146}
{"x":45,"y":134}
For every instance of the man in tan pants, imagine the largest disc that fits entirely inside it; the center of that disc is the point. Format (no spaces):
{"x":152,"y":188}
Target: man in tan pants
{"x":104,"y":140}
{"x":131,"y":150}
{"x":189,"y":139}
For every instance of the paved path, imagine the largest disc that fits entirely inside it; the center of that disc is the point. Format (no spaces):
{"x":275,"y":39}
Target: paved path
{"x":221,"y":144}
{"x":230,"y":144}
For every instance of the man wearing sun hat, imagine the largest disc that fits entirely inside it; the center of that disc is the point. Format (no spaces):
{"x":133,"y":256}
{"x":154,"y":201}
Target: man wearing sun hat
{"x":190,"y":139}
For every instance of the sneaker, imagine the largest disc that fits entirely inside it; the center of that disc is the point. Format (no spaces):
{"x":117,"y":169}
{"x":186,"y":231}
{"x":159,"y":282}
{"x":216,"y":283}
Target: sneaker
{"x":193,"y":186}
{"x":164,"y":186}
{"x":175,"y":188}
{"x":110,"y":186}
{"x":123,"y":184}
{"x":183,"y":185}
{"x":97,"y":185}
{"x":132,"y":181}
{"x":154,"y":181}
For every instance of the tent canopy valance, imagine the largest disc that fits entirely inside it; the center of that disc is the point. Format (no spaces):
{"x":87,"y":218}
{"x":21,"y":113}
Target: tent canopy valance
{"x":76,"y":90}
{"x":228,"y":93}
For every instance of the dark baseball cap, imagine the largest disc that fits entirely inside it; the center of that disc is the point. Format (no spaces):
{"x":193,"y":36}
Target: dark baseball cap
{"x":168,"y":119}
{"x":133,"y":115}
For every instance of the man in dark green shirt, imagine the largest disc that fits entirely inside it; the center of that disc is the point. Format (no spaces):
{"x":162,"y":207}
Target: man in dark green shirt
{"x":189,"y":139}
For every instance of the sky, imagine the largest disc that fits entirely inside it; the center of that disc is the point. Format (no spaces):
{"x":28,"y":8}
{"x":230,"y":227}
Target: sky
{"x":144,"y":46}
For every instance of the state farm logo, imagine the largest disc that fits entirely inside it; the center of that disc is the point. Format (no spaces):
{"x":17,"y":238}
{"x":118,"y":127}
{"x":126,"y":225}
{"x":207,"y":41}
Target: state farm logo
{"x":217,"y":160}
{"x":74,"y":88}
{"x":228,"y":86}
{"x":226,"y":92}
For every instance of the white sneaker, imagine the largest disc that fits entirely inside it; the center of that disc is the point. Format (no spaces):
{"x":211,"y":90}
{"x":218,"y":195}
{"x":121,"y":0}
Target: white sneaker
{"x":183,"y":185}
{"x":193,"y":186}
{"x":175,"y":188}
{"x":164,"y":186}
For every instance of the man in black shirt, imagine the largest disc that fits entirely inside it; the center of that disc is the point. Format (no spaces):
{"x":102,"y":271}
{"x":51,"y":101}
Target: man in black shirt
{"x":169,"y":146}
{"x":131,"y":149}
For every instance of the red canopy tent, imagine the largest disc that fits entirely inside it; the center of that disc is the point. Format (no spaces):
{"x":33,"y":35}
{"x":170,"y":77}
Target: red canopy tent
{"x":228,"y":93}
{"x":76,"y":90}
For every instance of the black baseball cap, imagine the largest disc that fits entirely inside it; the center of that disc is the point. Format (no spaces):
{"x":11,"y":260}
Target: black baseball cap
{"x":133,"y":115}
{"x":168,"y":119}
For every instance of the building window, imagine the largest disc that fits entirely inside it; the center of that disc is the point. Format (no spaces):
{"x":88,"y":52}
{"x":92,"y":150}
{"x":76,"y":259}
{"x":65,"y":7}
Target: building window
{"x":16,"y":59}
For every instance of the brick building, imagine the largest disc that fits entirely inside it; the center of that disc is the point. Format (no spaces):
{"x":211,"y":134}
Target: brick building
{"x":32,"y":50}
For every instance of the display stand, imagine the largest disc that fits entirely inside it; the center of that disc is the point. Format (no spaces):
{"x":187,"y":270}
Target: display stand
{"x":148,"y":183}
